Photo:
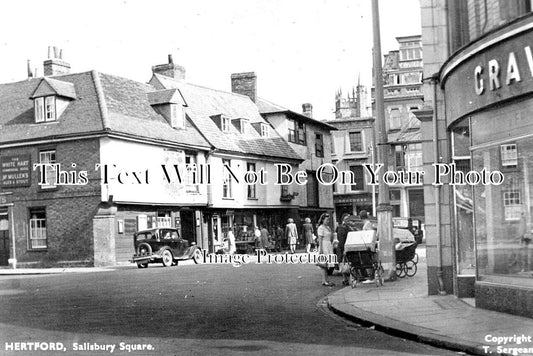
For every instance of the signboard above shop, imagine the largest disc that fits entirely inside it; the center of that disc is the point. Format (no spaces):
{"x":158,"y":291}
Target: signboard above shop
{"x":15,"y":171}
{"x":493,"y":69}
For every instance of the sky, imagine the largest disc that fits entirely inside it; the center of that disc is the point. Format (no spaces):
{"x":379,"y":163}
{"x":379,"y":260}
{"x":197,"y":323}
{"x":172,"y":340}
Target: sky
{"x":302,"y":51}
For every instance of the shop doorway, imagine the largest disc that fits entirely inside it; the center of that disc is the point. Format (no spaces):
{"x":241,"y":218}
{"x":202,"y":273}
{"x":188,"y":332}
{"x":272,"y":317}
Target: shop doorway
{"x":188,"y":229}
{"x":4,"y":238}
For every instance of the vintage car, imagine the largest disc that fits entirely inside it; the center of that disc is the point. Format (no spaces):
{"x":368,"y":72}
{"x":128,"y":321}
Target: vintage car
{"x":165,"y":245}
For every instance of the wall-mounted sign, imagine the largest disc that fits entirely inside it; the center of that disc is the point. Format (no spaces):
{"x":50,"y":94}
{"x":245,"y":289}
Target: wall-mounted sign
{"x":15,"y":171}
{"x":496,"y":73}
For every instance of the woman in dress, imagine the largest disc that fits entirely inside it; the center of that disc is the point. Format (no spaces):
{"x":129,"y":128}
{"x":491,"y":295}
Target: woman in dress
{"x":292,"y":234}
{"x":231,"y":241}
{"x":325,"y":247}
{"x":308,"y":234}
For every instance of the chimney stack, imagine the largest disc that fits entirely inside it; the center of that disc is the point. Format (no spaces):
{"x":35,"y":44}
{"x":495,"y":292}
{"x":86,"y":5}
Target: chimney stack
{"x":170,"y":69}
{"x":30,"y":73}
{"x":245,"y":84}
{"x":55,"y":65}
{"x":307,"y":109}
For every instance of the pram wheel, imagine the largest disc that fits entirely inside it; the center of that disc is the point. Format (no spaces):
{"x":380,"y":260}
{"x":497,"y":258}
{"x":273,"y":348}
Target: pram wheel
{"x":415,"y":258}
{"x":378,"y":276}
{"x":353,"y":281}
{"x":410,"y":268}
{"x":400,"y":270}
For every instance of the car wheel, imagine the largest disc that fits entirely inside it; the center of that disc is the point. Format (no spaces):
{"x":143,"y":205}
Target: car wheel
{"x":167,"y":258}
{"x":144,"y":249}
{"x":142,"y":265}
{"x":197,"y":256}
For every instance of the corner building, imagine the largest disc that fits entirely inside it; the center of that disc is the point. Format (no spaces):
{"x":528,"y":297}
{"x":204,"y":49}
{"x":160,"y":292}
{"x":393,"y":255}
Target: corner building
{"x":87,"y":120}
{"x":478,"y":68}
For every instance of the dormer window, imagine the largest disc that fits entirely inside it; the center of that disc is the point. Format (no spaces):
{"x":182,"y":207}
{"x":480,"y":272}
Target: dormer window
{"x":45,"y":109}
{"x":177,"y":116}
{"x":265,"y":132}
{"x":170,"y":104}
{"x":51,"y":98}
{"x":224,"y":123}
{"x":242,"y":125}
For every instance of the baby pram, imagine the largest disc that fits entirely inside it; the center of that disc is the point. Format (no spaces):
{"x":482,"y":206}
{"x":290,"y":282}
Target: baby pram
{"x":406,"y":259}
{"x":406,"y":256}
{"x":363,"y":257}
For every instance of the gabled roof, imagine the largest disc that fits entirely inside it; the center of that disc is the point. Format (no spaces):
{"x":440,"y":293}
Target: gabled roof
{"x":50,"y":86}
{"x":203,"y":103}
{"x":105,"y":104}
{"x":266,"y":107}
{"x":166,"y":96}
{"x":129,"y":112}
{"x":17,"y":121}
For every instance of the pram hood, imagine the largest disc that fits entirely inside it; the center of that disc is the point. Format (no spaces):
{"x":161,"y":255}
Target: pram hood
{"x":365,"y":240}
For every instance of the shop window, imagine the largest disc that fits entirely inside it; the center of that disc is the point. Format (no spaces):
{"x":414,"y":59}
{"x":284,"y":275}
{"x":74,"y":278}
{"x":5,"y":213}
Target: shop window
{"x":416,"y":203}
{"x":37,"y":226}
{"x":356,"y":141}
{"x":512,"y":205}
{"x":250,"y":167}
{"x":163,"y":219}
{"x":319,"y":145}
{"x":226,"y":182}
{"x":509,"y":155}
{"x":48,"y":156}
{"x":503,"y":213}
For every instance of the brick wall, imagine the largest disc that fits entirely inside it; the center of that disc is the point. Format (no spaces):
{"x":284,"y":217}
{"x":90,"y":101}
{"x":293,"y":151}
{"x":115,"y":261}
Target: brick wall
{"x":69,"y":209}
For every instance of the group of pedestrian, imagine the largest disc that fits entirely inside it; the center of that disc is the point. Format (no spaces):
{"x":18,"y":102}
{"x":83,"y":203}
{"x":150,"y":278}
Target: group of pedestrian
{"x":326,"y":241}
{"x":290,"y":233}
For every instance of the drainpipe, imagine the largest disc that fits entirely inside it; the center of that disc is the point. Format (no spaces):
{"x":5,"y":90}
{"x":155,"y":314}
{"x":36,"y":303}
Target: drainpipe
{"x":13,"y":248}
{"x":436,"y":158}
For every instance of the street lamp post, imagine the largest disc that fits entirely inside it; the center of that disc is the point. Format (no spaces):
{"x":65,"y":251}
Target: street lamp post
{"x":373,"y":161}
{"x":384,"y":209}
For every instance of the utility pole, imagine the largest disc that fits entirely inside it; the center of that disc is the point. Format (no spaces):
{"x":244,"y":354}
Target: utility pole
{"x":387,"y":251}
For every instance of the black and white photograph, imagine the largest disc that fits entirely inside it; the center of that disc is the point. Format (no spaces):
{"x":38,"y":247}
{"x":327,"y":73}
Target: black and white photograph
{"x":266,"y":177}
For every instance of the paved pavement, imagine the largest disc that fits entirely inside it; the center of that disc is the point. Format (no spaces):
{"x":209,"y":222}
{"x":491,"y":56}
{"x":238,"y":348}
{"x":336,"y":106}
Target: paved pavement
{"x":403,"y":308}
{"x":30,"y":271}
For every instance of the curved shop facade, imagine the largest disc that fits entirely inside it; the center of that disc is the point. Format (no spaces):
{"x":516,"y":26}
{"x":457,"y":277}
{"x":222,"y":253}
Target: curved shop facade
{"x":488,"y":88}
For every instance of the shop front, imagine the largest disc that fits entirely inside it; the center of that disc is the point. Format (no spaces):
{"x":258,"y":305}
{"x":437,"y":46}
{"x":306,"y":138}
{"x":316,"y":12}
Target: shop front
{"x":352,"y":204}
{"x":244,"y":222}
{"x":488,"y":88}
